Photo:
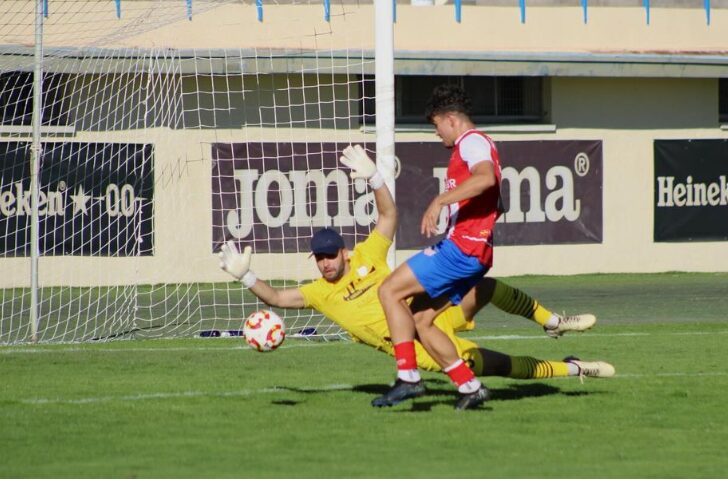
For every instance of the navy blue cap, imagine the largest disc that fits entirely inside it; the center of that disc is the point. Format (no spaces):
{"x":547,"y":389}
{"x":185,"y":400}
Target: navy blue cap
{"x":326,"y":241}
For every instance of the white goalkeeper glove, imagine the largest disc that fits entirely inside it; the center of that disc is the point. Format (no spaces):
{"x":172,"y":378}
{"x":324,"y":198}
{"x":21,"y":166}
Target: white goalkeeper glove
{"x":236,"y":264}
{"x":355,"y":158}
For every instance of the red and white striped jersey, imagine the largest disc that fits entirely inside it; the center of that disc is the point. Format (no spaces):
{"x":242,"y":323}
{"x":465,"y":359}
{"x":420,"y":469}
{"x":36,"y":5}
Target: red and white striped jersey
{"x":471,"y":221}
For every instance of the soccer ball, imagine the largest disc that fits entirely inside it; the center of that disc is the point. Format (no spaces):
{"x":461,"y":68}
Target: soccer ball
{"x":264,"y":330}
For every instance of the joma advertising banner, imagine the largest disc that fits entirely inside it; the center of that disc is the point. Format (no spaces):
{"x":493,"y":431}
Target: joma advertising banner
{"x":95,"y":199}
{"x":551,"y":191}
{"x":273,"y":195}
{"x":691,"y":190}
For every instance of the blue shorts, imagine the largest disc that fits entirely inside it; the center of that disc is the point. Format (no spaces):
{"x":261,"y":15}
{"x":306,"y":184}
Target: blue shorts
{"x":443,"y":269}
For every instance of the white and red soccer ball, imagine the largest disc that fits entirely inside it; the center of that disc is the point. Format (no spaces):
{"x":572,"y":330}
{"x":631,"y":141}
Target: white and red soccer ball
{"x":264,"y":330}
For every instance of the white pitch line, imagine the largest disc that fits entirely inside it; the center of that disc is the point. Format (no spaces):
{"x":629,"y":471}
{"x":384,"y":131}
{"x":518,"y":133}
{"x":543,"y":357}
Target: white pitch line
{"x":329,"y":387}
{"x":314,"y":344}
{"x":670,"y":375}
{"x":180,"y":395}
{"x":543,"y":336}
{"x":76,"y":349}
{"x":600,"y":335}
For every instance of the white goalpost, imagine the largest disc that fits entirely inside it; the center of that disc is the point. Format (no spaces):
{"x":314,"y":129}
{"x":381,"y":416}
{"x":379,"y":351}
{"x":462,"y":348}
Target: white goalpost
{"x":136,"y":136}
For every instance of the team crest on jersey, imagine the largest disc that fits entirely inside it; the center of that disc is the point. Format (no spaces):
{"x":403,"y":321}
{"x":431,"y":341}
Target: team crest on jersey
{"x":356,"y":288}
{"x":354,"y":292}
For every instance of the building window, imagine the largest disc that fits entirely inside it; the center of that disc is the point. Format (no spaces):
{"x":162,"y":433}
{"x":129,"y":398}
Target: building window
{"x":495,"y":100}
{"x":723,"y":100}
{"x":16,"y":99}
{"x":368,"y":101}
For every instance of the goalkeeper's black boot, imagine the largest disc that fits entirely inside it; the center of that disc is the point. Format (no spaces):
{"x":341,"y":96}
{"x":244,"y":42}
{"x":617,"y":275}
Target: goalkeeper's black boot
{"x":401,"y":391}
{"x":472,"y":400}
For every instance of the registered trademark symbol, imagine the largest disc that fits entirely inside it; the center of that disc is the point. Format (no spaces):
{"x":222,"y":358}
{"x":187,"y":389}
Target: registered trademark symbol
{"x":581,"y":164}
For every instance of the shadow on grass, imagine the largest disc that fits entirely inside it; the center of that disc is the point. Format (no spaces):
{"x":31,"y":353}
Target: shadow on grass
{"x":447,"y":395}
{"x":441,"y":392}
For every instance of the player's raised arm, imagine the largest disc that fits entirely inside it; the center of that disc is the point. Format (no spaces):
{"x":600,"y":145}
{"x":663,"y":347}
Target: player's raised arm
{"x":237,"y":265}
{"x":362,"y":166}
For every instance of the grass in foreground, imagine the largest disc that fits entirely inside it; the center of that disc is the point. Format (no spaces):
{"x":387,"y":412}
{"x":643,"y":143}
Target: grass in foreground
{"x":213,"y":408}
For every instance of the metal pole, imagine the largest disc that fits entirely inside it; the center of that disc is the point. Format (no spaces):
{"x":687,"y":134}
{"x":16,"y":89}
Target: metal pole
{"x":384,"y":92}
{"x":36,"y":150}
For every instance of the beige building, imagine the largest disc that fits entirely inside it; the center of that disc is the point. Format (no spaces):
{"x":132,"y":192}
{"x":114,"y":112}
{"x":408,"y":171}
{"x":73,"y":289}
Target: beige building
{"x":155,"y":76}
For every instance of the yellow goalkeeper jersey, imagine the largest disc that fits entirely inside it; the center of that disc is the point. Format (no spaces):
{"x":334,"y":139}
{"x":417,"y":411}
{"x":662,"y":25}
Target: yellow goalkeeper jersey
{"x":353,"y":303}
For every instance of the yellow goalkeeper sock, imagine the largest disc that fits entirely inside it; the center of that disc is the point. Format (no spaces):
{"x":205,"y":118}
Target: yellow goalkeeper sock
{"x":514,"y":301}
{"x":526,"y":367}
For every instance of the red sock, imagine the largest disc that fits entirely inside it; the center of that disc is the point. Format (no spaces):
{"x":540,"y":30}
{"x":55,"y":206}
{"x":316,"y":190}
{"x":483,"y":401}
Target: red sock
{"x":459,"y":372}
{"x":404,"y":353}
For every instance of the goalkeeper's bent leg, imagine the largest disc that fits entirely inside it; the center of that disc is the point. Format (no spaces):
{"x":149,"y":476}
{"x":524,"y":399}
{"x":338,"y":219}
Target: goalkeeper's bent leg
{"x":514,"y":301}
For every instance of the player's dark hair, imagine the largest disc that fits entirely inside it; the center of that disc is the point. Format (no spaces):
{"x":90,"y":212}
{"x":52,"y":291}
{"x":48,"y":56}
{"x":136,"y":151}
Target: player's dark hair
{"x":447,"y":98}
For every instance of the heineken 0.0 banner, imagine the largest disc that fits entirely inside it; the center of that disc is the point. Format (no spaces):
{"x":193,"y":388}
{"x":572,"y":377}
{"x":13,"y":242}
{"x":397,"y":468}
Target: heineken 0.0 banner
{"x":274,"y":195}
{"x":94,"y":199}
{"x":691,"y":190}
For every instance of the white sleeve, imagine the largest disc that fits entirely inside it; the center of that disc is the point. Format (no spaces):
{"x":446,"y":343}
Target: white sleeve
{"x":474,"y":149}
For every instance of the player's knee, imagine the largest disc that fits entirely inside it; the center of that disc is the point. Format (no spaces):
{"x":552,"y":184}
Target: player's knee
{"x":387,"y":291}
{"x":424,"y":319}
{"x":384,"y":291}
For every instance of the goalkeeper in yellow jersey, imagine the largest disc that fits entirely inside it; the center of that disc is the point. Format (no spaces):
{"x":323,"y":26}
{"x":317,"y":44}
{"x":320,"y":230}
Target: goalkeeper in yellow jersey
{"x":346,"y":293}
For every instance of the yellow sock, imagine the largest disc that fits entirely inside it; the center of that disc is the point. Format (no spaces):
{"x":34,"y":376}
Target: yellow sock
{"x":514,"y":301}
{"x":540,"y":314}
{"x":525,"y":367}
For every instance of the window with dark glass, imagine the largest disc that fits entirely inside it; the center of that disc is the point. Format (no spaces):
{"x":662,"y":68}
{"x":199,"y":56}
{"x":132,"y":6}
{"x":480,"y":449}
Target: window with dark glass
{"x":494,"y":99}
{"x":16,"y":99}
{"x":723,"y":100}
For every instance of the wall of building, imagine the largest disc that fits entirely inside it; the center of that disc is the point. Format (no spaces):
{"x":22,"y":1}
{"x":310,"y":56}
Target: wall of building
{"x":627,"y":114}
{"x":549,"y":26}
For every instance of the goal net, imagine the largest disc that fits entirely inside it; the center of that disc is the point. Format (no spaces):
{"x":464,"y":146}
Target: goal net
{"x":167,"y":128}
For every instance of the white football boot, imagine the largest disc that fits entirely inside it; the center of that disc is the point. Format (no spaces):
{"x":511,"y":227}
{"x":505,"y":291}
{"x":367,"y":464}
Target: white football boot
{"x":578,"y":322}
{"x":591,"y":369}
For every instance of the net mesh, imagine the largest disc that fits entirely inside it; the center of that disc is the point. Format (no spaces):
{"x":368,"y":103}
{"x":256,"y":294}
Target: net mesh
{"x":165,"y":132}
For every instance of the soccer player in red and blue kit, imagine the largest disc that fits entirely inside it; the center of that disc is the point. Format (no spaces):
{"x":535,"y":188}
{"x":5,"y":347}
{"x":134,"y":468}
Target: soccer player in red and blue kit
{"x":441,"y":275}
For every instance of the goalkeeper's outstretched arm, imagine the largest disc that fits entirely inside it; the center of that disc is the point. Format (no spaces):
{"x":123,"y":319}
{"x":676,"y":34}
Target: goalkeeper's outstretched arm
{"x":237,"y":265}
{"x":278,"y":297}
{"x":387,"y":222}
{"x":362,"y":166}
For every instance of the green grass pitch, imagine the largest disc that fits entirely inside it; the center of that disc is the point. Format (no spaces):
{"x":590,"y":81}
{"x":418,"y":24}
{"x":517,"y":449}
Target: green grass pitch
{"x":214,"y":408}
